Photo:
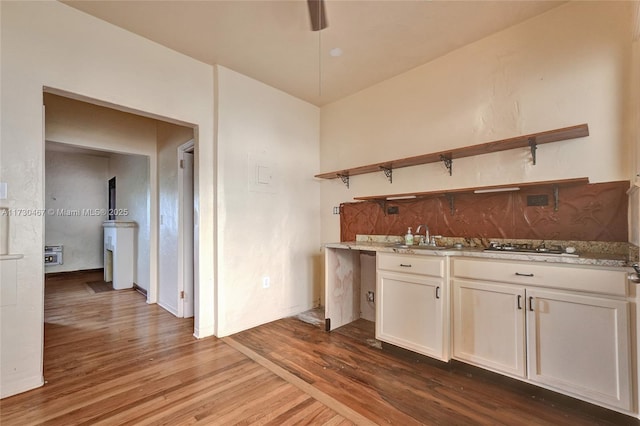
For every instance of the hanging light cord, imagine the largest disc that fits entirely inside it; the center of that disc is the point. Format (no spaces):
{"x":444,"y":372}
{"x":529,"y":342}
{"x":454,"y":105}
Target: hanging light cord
{"x":320,"y":63}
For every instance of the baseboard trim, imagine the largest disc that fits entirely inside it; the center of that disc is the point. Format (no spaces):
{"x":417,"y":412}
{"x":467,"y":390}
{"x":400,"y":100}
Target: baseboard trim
{"x":79,"y":271}
{"x":203,"y":333}
{"x":173,"y":311}
{"x":10,"y":388}
{"x":139,"y":289}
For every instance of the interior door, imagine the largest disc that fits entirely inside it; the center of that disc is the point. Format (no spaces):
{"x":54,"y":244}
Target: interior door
{"x":188,"y":231}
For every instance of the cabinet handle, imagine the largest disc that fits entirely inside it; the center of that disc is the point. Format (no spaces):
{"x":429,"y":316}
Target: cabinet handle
{"x":523,"y":275}
{"x":405,"y":266}
{"x":438,"y":292}
{"x":520,"y":302}
{"x":530,"y":303}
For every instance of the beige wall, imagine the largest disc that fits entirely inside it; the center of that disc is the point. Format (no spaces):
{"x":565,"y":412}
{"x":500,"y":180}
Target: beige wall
{"x":47,"y":44}
{"x":96,"y":127}
{"x":269,"y":229}
{"x":565,"y":67}
{"x":75,"y":183}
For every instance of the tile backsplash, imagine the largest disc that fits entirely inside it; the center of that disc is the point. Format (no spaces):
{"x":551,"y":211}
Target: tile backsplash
{"x":589,"y":212}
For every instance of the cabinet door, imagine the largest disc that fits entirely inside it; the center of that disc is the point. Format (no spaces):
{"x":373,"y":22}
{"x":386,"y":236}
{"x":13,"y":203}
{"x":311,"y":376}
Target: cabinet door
{"x":580,"y":345}
{"x":488,"y":325}
{"x":409,"y":312}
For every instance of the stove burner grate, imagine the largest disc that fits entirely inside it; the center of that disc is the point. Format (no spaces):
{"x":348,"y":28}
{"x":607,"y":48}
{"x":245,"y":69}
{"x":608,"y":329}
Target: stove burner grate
{"x":524,"y":248}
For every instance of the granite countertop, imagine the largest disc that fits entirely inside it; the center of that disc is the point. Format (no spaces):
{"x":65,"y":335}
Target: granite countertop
{"x":593,"y":259}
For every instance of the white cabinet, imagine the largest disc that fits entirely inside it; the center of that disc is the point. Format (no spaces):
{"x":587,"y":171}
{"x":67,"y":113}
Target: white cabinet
{"x":412,"y":303}
{"x":488,"y":326}
{"x":576,"y":343}
{"x":119,"y":253}
{"x":580,"y":344}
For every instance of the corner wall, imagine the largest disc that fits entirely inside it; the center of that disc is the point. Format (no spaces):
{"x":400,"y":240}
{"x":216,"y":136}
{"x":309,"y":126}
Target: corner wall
{"x":268,"y":203}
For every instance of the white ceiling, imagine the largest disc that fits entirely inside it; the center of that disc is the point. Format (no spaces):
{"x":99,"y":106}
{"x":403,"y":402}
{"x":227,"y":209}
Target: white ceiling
{"x":271,"y":40}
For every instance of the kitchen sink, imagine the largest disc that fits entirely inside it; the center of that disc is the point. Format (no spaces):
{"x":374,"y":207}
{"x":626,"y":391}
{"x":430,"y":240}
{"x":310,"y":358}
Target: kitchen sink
{"x":416,"y":247}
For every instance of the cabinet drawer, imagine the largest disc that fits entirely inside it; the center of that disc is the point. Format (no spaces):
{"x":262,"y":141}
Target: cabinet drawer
{"x":416,"y":264}
{"x":569,"y":277}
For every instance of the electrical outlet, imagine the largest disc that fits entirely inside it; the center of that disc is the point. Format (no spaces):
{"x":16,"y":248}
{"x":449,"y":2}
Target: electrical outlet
{"x":370,"y":296}
{"x":537,"y":200}
{"x":266,"y":282}
{"x":393,"y":210}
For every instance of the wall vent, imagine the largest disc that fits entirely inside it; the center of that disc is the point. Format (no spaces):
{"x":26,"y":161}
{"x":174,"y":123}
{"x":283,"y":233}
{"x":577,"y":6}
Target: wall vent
{"x":53,"y":255}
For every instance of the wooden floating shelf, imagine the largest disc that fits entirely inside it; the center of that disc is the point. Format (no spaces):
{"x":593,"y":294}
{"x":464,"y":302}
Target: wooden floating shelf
{"x":526,"y":141}
{"x":494,"y":188}
{"x":451,"y":193}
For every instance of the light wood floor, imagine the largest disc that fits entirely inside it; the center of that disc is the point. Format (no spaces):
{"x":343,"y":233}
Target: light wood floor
{"x":112,"y":359}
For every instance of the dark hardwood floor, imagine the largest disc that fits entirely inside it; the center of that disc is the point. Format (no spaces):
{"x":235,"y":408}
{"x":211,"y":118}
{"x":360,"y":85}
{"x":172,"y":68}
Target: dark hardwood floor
{"x":391,"y":385}
{"x":112,"y":359}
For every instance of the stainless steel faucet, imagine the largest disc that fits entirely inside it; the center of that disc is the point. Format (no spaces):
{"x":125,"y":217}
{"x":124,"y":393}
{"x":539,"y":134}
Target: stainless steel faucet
{"x":424,"y":241}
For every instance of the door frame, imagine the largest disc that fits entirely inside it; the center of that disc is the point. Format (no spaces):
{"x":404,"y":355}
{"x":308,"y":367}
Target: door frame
{"x":188,"y":147}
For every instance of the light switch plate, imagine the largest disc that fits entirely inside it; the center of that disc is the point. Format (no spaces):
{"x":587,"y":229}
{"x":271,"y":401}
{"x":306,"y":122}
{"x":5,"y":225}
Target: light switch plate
{"x":3,"y":190}
{"x":263,"y":174}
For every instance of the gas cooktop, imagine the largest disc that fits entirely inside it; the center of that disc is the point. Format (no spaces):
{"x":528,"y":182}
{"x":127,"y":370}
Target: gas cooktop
{"x":529,"y":248}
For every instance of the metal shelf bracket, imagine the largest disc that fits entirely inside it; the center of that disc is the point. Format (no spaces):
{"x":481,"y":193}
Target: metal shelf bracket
{"x":556,"y":198}
{"x":388,"y":172}
{"x":448,"y":162}
{"x":533,"y":145}
{"x":344,"y":179}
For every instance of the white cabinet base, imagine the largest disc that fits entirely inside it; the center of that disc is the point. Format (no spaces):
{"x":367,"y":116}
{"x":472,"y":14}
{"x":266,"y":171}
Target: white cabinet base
{"x":119,"y":253}
{"x":580,"y":345}
{"x":409,"y":313}
{"x":412,"y":306}
{"x":488,"y":326}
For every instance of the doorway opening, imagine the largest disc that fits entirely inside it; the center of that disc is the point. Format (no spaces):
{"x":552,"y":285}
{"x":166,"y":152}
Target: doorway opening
{"x":112,"y":198}
{"x":112,"y":131}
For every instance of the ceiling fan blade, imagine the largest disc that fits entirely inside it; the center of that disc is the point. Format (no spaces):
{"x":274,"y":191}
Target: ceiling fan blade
{"x":317,"y":14}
